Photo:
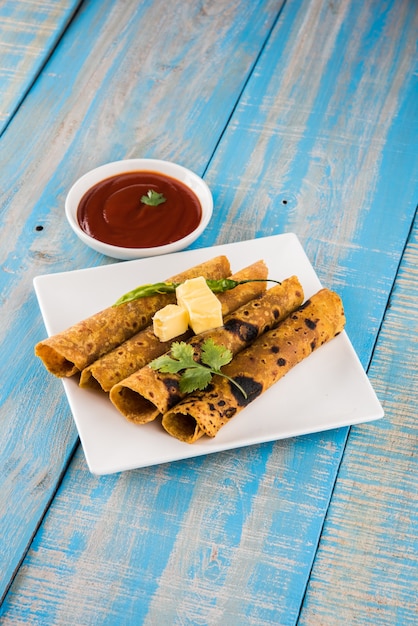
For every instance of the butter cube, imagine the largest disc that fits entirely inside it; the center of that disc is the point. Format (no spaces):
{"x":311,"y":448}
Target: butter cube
{"x":170,"y":321}
{"x":203,"y":307}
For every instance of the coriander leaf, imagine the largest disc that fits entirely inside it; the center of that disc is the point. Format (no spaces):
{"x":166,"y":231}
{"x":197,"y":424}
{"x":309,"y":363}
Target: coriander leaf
{"x":215,"y":355}
{"x":183,"y":352}
{"x":180,"y":357}
{"x":195,"y":378}
{"x":153,"y":198}
{"x":166,"y":364}
{"x":195,"y":375}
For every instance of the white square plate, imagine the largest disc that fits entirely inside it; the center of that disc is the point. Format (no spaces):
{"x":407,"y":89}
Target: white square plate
{"x":336,"y":390}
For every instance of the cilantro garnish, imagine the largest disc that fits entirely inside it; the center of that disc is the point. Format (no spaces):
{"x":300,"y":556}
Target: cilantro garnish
{"x":153,"y":198}
{"x":195,"y":375}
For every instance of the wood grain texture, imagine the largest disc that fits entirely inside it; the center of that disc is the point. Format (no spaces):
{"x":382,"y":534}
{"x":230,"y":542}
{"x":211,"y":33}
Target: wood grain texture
{"x":321,"y":143}
{"x":29,"y":31}
{"x":109,"y":97}
{"x":365,"y":571}
{"x":181,"y":543}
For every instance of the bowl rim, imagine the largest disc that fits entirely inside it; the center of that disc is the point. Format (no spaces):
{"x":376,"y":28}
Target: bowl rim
{"x":112,"y":168}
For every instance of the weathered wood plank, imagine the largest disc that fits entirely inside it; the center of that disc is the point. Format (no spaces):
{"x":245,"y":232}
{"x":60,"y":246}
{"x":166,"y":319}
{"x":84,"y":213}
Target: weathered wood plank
{"x":135,"y":86}
{"x":366,"y":567}
{"x":29,"y":30}
{"x":319,"y":144}
{"x":231,"y":538}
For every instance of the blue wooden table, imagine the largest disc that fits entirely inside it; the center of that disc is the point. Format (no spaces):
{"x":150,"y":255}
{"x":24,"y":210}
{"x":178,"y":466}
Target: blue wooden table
{"x":301,"y":115}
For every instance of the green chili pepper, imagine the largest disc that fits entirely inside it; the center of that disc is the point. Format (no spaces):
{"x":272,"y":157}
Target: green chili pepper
{"x":225,"y":284}
{"x":217,"y":286}
{"x":147,"y":290}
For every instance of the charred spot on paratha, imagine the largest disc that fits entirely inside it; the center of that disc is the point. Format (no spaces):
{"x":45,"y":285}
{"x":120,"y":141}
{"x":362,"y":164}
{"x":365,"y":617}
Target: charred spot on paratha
{"x":311,"y":324}
{"x":230,"y":412}
{"x":251,"y":387}
{"x":244,"y":330}
{"x":173,"y":391}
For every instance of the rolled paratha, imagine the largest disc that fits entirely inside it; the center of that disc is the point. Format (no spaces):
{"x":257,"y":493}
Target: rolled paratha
{"x":144,"y":346}
{"x":70,"y":351}
{"x":147,"y":393}
{"x":257,"y":368}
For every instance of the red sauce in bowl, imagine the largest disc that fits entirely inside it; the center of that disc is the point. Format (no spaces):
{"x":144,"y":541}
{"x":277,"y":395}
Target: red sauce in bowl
{"x":112,"y":210}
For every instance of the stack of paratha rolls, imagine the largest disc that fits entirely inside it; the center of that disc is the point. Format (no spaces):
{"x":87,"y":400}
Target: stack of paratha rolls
{"x":144,"y":346}
{"x":70,"y":351}
{"x":257,"y":368}
{"x":147,"y":393}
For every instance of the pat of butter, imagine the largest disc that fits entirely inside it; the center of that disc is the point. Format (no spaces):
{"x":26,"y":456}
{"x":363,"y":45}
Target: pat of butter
{"x":170,"y":321}
{"x":203,"y":307}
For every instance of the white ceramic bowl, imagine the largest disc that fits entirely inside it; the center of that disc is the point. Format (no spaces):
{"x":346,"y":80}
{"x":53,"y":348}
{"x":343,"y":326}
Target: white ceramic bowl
{"x":184,"y":175}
